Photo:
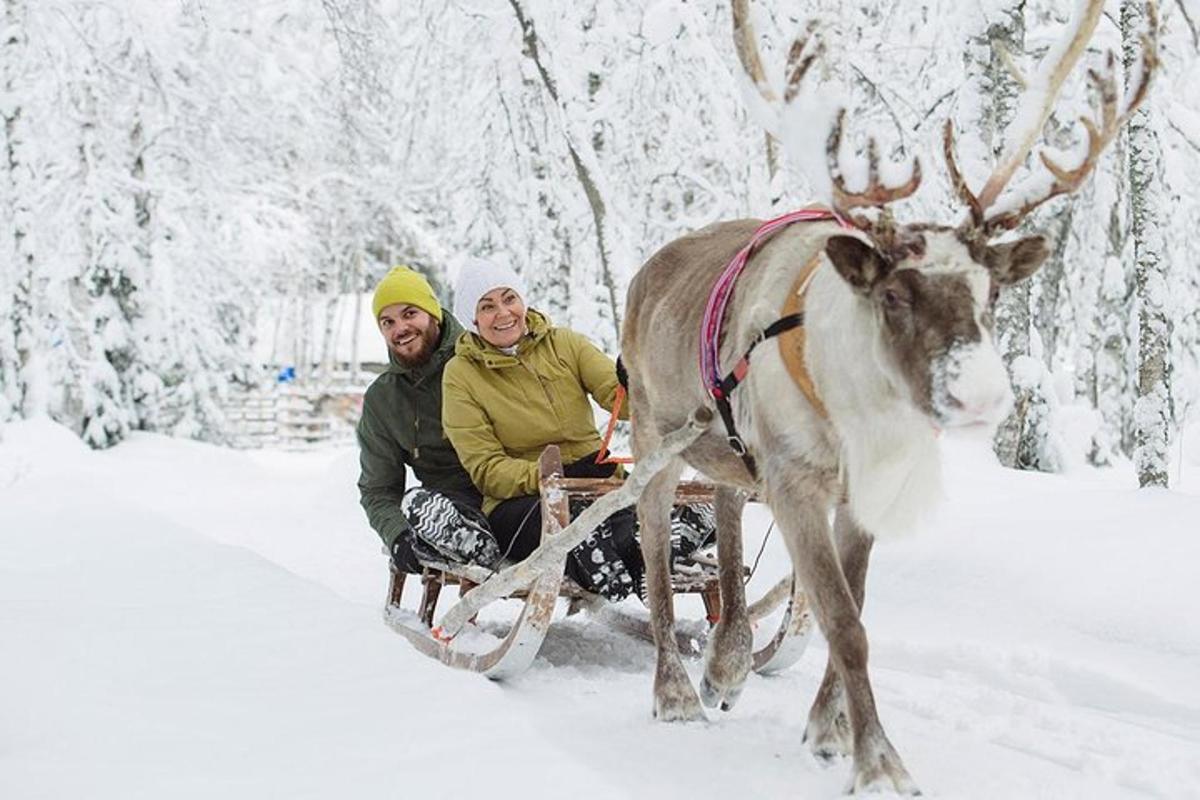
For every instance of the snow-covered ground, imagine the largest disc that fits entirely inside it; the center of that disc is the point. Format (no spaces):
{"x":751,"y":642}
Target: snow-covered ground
{"x":182,"y":621}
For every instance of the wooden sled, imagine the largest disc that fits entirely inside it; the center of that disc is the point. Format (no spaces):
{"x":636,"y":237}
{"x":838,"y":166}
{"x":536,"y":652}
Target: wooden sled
{"x":520,"y":646}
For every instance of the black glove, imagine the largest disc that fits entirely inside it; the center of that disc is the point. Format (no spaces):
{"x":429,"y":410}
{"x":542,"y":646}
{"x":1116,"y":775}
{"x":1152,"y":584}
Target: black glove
{"x":587,"y":467}
{"x":403,"y":556}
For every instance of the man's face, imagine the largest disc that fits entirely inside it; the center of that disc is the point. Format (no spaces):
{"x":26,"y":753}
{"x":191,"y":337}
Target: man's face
{"x":410,"y":332}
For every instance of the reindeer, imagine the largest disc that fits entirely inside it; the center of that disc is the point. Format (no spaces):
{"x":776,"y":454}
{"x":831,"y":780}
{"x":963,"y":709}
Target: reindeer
{"x":895,"y":345}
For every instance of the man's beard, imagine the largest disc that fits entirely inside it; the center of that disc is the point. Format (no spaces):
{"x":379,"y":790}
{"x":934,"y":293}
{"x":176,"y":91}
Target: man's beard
{"x":428,"y":341}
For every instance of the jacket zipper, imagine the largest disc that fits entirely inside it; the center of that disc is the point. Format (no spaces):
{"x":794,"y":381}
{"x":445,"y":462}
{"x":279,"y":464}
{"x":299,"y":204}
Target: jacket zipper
{"x":545,"y":391}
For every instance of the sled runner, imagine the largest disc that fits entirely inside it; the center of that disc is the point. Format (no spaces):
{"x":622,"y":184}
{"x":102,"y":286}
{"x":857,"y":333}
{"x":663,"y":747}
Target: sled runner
{"x":479,"y":652}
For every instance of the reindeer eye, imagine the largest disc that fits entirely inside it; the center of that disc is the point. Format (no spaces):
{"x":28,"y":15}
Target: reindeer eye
{"x":891,"y":299}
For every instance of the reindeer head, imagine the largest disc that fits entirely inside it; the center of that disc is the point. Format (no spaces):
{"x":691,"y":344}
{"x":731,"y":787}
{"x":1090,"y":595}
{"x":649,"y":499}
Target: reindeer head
{"x":931,"y":297}
{"x":930,"y":288}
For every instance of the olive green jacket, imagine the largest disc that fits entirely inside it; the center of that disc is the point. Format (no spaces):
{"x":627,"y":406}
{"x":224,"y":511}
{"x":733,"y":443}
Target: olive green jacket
{"x":401,"y":426}
{"x":500,"y":411}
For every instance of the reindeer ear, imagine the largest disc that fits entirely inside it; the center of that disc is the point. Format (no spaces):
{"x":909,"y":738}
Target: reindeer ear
{"x":859,"y":264}
{"x":1013,"y":262}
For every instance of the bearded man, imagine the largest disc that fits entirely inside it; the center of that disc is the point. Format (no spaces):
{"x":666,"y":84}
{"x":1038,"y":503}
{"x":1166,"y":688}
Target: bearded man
{"x":401,"y":429}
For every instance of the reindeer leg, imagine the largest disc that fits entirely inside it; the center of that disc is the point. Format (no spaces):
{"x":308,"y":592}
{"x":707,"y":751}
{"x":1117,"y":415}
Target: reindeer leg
{"x":728,"y":659}
{"x":828,"y":731}
{"x":877,"y":766}
{"x":674,"y":697}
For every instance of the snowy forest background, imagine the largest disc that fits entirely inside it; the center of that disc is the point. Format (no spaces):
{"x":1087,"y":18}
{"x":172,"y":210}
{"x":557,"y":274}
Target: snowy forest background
{"x":170,"y":168}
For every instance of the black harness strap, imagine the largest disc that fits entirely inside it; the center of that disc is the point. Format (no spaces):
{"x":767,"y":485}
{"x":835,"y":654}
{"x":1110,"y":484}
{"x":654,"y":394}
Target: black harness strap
{"x":730,"y":382}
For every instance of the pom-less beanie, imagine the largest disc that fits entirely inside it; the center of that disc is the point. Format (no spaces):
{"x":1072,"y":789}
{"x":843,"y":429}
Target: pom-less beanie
{"x":404,"y":285}
{"x":478,"y":277}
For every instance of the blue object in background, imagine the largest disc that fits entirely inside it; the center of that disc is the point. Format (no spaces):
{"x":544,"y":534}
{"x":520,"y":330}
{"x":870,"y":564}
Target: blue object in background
{"x":286,"y":375}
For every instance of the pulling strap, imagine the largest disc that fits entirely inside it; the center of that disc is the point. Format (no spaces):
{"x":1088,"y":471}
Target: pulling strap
{"x":604,"y":457}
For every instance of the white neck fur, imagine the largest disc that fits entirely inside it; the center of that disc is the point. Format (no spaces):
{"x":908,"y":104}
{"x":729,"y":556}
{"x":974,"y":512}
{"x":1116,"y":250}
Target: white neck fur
{"x":890,"y":458}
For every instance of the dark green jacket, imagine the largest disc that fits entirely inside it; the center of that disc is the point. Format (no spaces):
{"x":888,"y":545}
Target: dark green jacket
{"x":401,"y":426}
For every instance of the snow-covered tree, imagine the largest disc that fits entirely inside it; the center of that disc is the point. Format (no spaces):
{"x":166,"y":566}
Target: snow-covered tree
{"x":21,"y":343}
{"x":1152,"y":413}
{"x":168,"y":168}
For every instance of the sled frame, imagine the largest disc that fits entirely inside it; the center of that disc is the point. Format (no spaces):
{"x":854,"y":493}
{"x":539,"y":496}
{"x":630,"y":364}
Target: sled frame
{"x":514,"y":654}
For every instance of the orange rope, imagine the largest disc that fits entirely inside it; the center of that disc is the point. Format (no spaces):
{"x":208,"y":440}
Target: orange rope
{"x":604,"y":457}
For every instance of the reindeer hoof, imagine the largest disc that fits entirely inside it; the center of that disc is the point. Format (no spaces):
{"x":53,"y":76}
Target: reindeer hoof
{"x":727,"y":663}
{"x":861,"y":783}
{"x":678,"y":710}
{"x":712,"y":696}
{"x":674,"y":698}
{"x":829,"y":739}
{"x":879,"y":769}
{"x":826,"y":756}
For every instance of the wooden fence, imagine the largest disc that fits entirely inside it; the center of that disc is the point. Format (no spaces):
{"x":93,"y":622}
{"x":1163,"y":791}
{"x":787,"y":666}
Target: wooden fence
{"x":293,"y":417}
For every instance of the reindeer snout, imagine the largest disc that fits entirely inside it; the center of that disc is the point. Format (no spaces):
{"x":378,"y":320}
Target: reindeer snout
{"x":979,"y":408}
{"x":974,"y":388}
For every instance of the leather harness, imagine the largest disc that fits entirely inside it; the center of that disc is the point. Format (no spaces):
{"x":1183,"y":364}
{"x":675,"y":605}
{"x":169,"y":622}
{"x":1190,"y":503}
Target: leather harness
{"x":789,"y":328}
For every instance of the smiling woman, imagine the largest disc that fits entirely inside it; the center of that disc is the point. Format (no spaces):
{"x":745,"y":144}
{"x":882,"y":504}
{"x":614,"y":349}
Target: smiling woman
{"x":515,"y":386}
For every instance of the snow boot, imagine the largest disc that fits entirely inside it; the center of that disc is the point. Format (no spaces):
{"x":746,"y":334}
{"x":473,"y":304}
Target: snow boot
{"x":609,"y":561}
{"x":693,"y":526}
{"x":453,"y":535}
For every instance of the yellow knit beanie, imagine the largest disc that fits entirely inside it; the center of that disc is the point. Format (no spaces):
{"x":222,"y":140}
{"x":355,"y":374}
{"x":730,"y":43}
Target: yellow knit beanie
{"x":404,"y":285}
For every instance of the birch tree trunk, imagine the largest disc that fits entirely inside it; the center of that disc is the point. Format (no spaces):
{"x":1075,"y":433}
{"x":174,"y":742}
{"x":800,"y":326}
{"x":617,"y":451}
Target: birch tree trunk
{"x":12,"y":49}
{"x":23,"y":389}
{"x":1013,"y":317}
{"x":1046,"y":307}
{"x":1108,"y":386}
{"x":1152,"y":411}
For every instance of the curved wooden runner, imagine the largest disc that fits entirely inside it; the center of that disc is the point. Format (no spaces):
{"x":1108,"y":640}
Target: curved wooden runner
{"x":518,"y":649}
{"x":791,"y":638}
{"x":512,"y":656}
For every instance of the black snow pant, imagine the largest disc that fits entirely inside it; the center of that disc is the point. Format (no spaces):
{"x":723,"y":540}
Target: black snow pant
{"x":608,"y":562}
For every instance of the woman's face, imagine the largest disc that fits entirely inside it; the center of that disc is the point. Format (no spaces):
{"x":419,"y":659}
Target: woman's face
{"x":500,"y":317}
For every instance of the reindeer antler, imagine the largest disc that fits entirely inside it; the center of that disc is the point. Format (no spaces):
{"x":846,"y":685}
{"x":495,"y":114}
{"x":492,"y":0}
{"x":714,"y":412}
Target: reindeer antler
{"x":957,"y":181}
{"x":805,"y":50}
{"x":1101,"y":130}
{"x":803,"y":53}
{"x":876,"y":194}
{"x":747,"y":50}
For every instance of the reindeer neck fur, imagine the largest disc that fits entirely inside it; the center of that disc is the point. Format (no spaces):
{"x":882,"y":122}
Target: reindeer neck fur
{"x":883,"y":447}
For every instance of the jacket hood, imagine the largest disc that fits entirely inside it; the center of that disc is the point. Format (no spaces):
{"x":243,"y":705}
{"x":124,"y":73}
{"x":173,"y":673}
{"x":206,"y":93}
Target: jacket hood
{"x":451,"y":331}
{"x":473,"y":347}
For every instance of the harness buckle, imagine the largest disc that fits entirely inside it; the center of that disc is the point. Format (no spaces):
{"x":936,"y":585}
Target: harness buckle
{"x":737,"y":444}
